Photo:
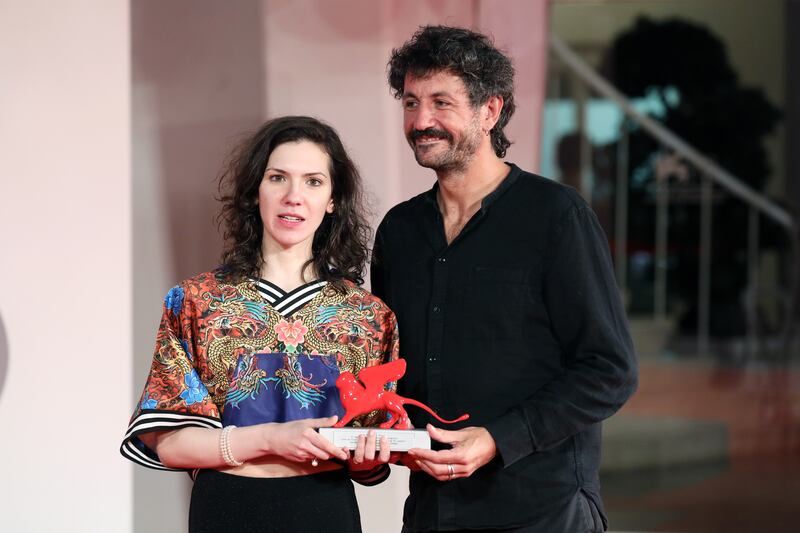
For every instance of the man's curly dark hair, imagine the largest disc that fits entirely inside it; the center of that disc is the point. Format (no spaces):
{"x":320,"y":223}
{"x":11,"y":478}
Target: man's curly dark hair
{"x":340,"y":244}
{"x":471,"y":56}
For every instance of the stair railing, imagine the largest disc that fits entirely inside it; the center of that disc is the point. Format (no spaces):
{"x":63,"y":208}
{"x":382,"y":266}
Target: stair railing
{"x":711,"y":175}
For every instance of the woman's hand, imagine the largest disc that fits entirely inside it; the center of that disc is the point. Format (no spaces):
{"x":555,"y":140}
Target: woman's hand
{"x":366,"y":457}
{"x":299,"y":440}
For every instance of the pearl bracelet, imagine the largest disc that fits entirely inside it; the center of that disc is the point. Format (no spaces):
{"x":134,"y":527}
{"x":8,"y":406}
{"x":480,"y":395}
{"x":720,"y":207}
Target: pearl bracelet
{"x":225,"y":447}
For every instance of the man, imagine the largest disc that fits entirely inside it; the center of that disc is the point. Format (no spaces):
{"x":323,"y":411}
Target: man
{"x":507,"y":306}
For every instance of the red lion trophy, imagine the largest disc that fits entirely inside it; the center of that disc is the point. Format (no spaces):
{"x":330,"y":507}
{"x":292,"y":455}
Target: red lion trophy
{"x":369,"y":394}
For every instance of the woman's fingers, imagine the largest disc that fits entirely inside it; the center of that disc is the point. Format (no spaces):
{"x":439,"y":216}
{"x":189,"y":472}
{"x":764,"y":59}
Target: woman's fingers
{"x":311,"y":444}
{"x":300,"y":441}
{"x":327,"y":446}
{"x":314,"y":452}
{"x":358,"y":453}
{"x":386,"y":452}
{"x":369,"y":451}
{"x":324,"y":422}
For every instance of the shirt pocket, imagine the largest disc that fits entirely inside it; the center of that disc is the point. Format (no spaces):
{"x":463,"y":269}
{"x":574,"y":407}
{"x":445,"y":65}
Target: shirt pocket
{"x":499,"y":297}
{"x":493,"y":285}
{"x":501,"y":274}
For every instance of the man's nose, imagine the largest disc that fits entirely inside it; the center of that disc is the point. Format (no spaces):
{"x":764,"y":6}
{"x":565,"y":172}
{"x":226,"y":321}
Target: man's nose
{"x":423,"y":117}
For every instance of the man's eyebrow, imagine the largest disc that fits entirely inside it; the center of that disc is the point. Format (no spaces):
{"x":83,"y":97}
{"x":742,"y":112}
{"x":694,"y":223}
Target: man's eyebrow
{"x":438,"y":94}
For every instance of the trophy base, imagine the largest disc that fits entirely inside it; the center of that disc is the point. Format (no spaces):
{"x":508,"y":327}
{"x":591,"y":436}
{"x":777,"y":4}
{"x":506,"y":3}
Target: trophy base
{"x":400,"y":440}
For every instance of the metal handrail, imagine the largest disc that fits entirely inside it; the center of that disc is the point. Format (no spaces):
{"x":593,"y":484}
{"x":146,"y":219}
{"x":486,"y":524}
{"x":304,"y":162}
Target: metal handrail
{"x":711,"y":173}
{"x":719,"y":175}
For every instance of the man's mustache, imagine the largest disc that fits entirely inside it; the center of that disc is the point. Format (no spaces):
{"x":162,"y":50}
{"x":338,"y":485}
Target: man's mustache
{"x":430,"y":132}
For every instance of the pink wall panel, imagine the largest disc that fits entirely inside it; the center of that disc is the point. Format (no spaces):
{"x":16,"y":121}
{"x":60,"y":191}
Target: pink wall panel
{"x":204,"y":71}
{"x":328,"y":59}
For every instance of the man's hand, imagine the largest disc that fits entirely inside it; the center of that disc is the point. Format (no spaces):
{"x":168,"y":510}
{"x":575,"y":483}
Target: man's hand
{"x":472,"y":448}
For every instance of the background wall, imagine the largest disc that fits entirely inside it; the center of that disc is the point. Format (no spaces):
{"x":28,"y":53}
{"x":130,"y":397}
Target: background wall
{"x":197,"y":84}
{"x":328,"y":59}
{"x":203,"y":73}
{"x":65,"y":303}
{"x":116,"y":118}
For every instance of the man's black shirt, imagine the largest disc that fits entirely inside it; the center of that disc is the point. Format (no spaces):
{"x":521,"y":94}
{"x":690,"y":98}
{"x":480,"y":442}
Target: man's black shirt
{"x":517,"y":322}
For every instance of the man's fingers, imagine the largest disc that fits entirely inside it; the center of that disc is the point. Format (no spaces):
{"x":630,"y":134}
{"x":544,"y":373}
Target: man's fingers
{"x":439,"y":472}
{"x":408,"y":461}
{"x":425,"y":468}
{"x":440,"y":457}
{"x":442,"y":435}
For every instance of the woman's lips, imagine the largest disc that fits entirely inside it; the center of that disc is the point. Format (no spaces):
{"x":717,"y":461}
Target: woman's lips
{"x":290,"y":220}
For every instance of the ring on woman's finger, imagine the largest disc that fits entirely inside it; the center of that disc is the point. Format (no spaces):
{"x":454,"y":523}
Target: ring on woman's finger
{"x":314,"y":462}
{"x":450,"y":471}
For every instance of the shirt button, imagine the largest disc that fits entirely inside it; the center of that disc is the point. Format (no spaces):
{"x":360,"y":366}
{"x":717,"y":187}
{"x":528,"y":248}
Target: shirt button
{"x":442,"y":260}
{"x":436,"y":309}
{"x":432,"y":358}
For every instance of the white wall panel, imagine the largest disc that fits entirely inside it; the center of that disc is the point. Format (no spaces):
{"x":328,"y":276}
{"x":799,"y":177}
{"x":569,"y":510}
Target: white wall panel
{"x":65,"y":303}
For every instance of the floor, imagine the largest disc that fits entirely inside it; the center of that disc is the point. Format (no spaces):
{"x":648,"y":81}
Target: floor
{"x":756,"y":488}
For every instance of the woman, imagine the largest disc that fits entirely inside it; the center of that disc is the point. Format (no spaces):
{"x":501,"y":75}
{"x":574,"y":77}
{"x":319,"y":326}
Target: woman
{"x":247,"y":355}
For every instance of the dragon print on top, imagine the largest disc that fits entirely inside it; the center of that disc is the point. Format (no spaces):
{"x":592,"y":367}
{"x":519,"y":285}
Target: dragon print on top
{"x":225,"y":356}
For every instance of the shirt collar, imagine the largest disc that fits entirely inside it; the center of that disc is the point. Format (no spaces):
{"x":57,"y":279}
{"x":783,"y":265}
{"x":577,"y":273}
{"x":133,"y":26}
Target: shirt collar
{"x":490,"y":198}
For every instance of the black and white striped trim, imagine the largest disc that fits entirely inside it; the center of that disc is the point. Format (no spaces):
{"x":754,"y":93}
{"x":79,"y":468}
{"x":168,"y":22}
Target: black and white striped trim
{"x":368,"y":478}
{"x":269,"y":291}
{"x":287,"y":303}
{"x":150,"y":420}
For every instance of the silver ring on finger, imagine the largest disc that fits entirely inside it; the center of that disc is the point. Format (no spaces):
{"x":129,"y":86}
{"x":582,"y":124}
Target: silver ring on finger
{"x":450,"y":471}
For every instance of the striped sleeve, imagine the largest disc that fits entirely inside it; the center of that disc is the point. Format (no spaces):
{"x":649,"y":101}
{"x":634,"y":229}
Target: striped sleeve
{"x":174,"y":395}
{"x":368,"y":478}
{"x":154,"y":420}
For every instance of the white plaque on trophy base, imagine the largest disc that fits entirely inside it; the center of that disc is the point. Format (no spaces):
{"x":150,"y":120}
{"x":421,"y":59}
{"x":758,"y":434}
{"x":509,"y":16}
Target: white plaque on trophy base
{"x":400,"y":440}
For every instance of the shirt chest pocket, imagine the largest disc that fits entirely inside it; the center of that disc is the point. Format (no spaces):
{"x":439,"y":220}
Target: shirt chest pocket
{"x":502,"y":285}
{"x":500,"y":298}
{"x":500,"y":275}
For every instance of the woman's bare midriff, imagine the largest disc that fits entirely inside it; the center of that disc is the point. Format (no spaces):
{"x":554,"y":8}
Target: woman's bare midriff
{"x":279,"y":467}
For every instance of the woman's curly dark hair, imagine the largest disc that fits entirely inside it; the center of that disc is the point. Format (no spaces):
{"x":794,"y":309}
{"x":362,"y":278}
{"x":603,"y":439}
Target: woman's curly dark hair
{"x":484,"y":69}
{"x":339,"y":247}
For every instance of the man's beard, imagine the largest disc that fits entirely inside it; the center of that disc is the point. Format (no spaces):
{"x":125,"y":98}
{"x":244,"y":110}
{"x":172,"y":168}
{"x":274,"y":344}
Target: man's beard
{"x":456,"y":157}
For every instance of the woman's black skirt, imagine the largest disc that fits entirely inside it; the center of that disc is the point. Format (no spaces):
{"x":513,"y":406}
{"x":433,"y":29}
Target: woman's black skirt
{"x":323,"y":502}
